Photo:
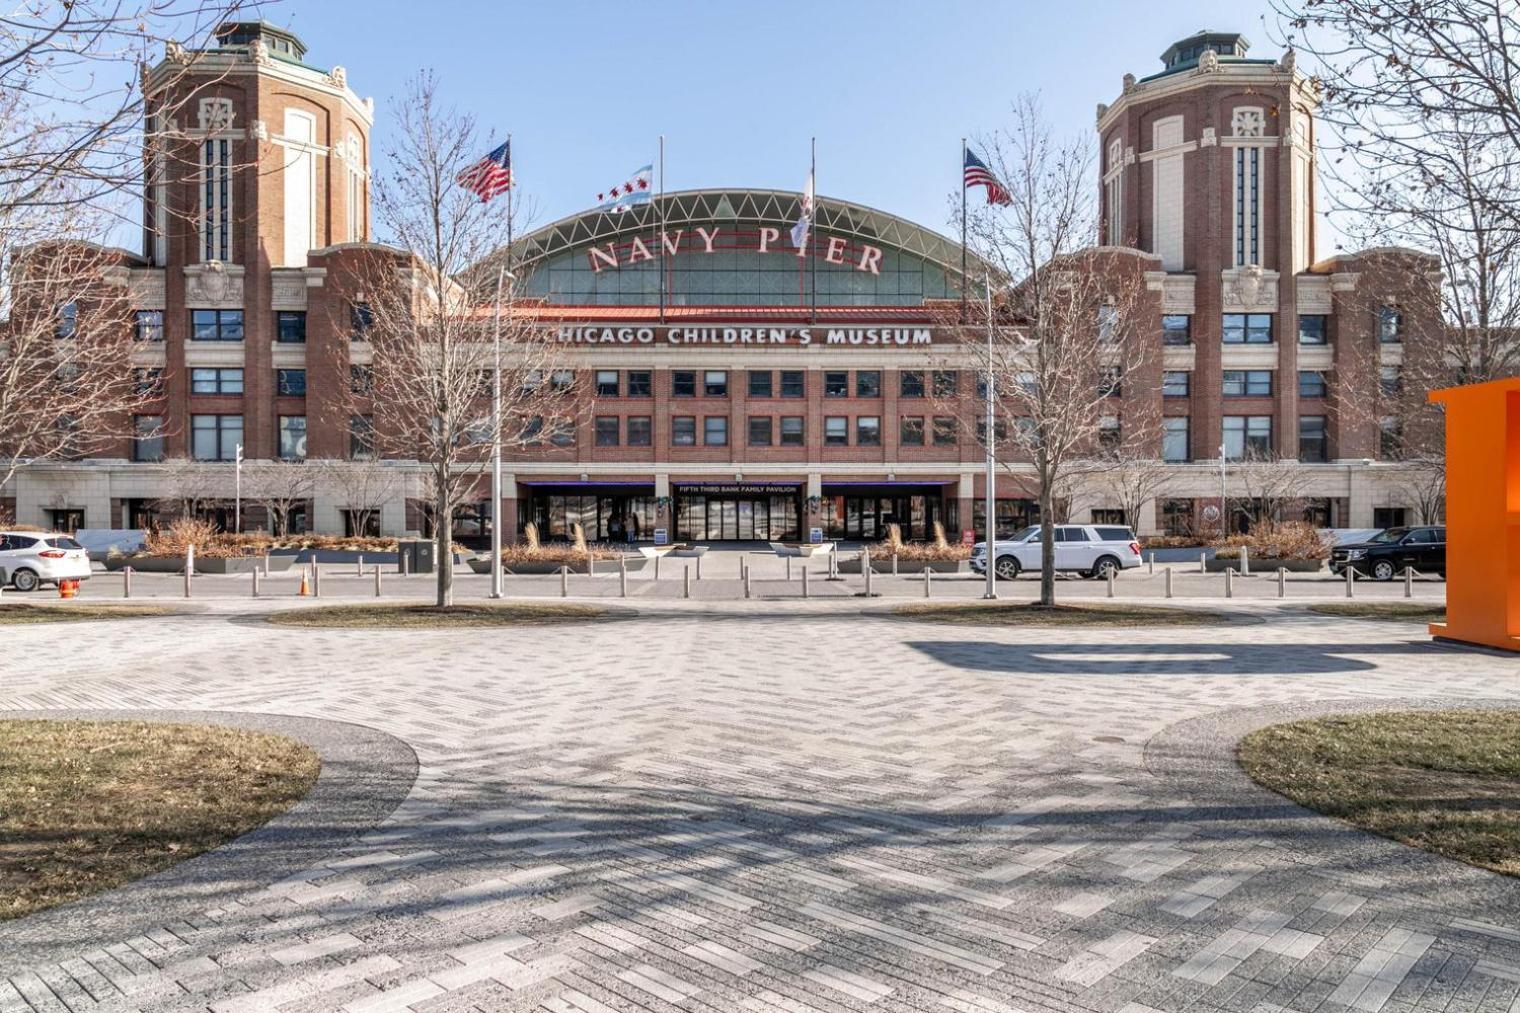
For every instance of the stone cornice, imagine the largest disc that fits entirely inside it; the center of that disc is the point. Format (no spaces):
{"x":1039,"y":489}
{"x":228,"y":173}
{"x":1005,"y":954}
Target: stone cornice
{"x":1225,"y":76}
{"x":214,"y":64}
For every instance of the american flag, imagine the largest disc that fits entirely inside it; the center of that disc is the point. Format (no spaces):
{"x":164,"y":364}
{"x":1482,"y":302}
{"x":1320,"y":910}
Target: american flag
{"x":977,"y":174}
{"x":491,"y":175}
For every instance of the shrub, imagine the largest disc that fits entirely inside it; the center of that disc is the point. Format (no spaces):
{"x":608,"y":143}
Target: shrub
{"x":920,"y":552}
{"x":526,"y":553}
{"x":1291,"y":540}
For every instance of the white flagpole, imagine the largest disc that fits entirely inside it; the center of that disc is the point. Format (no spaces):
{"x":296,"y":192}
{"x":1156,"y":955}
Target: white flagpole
{"x":660,"y":239}
{"x":496,"y":420}
{"x":991,"y":508}
{"x":813,"y":225}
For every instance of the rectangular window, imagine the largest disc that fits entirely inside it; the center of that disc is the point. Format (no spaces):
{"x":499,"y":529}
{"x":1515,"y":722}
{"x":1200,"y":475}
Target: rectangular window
{"x":216,"y":381}
{"x":1313,"y":329}
{"x":836,"y":384}
{"x":216,"y":325}
{"x":640,"y":383}
{"x":640,"y":431}
{"x":1109,"y":383}
{"x":836,"y":431}
{"x":562,"y":432}
{"x":911,"y":431}
{"x":1176,"y":329}
{"x":793,"y":383}
{"x":148,"y":438}
{"x":945,"y":434}
{"x":1313,"y":444}
{"x":759,"y":430}
{"x":1390,"y":325}
{"x":607,"y":383}
{"x":683,"y":383}
{"x":361,"y":321}
{"x":1108,"y":319}
{"x":715,"y":431}
{"x":683,"y":431}
{"x":290,"y":327}
{"x":1390,"y":439}
{"x":216,"y":199}
{"x":1175,"y":383}
{"x":361,"y":379}
{"x":149,"y":325}
{"x":867,"y":431}
{"x":292,"y":437}
{"x":759,"y":383}
{"x":868,"y":383}
{"x":290,"y":382}
{"x":1174,"y":438}
{"x":1248,"y":328}
{"x":1247,"y":436}
{"x":607,"y":430}
{"x":792,"y":431}
{"x":715,"y":383}
{"x":562,"y":379}
{"x":68,"y":320}
{"x":1390,"y":380}
{"x":911,"y":383}
{"x":215,"y":437}
{"x":148,"y":381}
{"x":1247,"y":383}
{"x":1311,"y":383}
{"x":1110,"y":433}
{"x":361,"y":437}
{"x":945,"y":382}
{"x":1247,"y":206}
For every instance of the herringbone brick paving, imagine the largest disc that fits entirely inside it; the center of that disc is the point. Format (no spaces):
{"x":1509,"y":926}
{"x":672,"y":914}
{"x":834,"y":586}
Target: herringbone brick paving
{"x":796,"y":808}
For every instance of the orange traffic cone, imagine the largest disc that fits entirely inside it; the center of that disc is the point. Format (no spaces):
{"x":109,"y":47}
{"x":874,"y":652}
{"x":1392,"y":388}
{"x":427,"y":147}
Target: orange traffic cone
{"x":305,"y":590}
{"x":68,"y":588}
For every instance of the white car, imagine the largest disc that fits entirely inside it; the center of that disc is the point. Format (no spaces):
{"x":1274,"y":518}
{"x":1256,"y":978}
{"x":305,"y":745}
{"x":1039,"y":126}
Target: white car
{"x":30,"y":559}
{"x":1091,"y":550}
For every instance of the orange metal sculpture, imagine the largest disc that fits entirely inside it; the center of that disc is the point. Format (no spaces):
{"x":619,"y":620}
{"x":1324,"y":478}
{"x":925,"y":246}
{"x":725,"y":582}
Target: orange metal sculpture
{"x":1482,"y":514}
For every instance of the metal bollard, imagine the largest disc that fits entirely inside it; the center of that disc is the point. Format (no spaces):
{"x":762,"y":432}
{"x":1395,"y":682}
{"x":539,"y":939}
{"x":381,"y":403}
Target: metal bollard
{"x":686,"y":580}
{"x":1229,"y":582}
{"x":927,"y":579}
{"x":804,"y":580}
{"x":894,"y":564}
{"x":833,"y":564}
{"x":1350,"y":581}
{"x":746,"y":582}
{"x":1408,"y":582}
{"x":590,"y":563}
{"x":1245,"y":560}
{"x":699,"y":567}
{"x":266,"y":564}
{"x":788,"y":567}
{"x":316,"y":579}
{"x":1152,"y":562}
{"x":126,"y":582}
{"x":564,"y":581}
{"x":1202,"y":568}
{"x":255,"y":574}
{"x":406,"y":562}
{"x":187,"y":578}
{"x":622,"y":581}
{"x":657,"y":567}
{"x":865,"y":568}
{"x":1109,"y":576}
{"x":377,"y":580}
{"x":1168,"y":581}
{"x":359,"y":566}
{"x":1282,"y":582}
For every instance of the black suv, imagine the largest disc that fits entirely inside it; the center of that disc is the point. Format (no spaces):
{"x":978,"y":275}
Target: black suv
{"x":1384,"y":555}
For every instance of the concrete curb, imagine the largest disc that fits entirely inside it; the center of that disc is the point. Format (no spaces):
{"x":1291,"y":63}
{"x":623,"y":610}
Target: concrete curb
{"x":1195,"y":759}
{"x":365,"y":775}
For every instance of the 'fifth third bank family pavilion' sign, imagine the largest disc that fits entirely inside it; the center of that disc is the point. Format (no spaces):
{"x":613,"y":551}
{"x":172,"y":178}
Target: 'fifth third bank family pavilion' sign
{"x":765,"y":239}
{"x":593,"y":334}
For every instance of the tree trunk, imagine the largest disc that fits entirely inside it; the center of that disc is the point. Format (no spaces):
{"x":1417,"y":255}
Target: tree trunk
{"x":443,"y":534}
{"x":1047,"y":545}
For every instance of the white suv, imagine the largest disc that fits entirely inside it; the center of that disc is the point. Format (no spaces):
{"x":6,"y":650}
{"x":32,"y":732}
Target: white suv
{"x":30,"y":559}
{"x":1091,"y":550}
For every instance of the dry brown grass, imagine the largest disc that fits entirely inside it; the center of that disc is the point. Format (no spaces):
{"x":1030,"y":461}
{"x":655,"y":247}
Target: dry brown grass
{"x":1398,"y":611}
{"x":1031,"y":614}
{"x":1292,"y":540}
{"x":90,"y":805}
{"x":1441,"y":781}
{"x":366,"y":617}
{"x":17,"y":613}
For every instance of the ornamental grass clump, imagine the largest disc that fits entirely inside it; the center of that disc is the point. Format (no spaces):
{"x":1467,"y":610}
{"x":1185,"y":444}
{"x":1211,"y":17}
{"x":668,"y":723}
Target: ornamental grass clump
{"x":937,"y":551}
{"x":1291,"y":540}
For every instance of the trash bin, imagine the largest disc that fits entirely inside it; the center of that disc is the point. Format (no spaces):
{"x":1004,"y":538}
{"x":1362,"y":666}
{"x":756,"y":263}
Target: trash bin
{"x":421,"y":555}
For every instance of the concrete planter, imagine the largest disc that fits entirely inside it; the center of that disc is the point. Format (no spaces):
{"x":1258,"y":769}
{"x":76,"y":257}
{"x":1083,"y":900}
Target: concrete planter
{"x":540,"y":568}
{"x":1266,"y":566}
{"x":176,"y":564}
{"x":883,"y":564}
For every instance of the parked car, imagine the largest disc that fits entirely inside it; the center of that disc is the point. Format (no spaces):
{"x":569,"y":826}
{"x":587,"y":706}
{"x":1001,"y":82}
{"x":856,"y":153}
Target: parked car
{"x":1385,"y":554}
{"x":1091,"y":550}
{"x":30,"y":559}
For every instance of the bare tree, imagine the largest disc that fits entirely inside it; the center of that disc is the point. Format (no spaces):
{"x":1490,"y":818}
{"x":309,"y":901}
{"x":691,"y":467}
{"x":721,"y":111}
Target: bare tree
{"x":1270,"y":490}
{"x":433,"y":315}
{"x":191,"y":487}
{"x":73,"y":141}
{"x":1129,"y":478}
{"x":363,"y":488}
{"x":282,"y":488}
{"x":1065,"y":333}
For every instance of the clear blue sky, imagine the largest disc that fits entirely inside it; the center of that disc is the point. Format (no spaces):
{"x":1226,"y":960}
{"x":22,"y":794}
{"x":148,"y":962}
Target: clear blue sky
{"x":888,"y":87}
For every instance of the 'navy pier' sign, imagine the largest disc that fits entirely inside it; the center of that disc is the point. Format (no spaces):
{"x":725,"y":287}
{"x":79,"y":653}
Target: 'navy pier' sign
{"x":594,"y":335}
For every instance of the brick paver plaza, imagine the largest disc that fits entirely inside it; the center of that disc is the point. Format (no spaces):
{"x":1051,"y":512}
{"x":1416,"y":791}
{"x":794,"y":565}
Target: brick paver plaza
{"x":792,"y":807}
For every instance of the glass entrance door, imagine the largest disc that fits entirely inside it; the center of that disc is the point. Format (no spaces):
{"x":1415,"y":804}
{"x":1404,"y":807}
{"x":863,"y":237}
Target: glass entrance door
{"x":736,"y":519}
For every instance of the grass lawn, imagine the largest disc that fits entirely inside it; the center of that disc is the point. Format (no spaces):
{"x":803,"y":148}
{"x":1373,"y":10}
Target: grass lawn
{"x":1443,"y":781}
{"x":1399,"y":611}
{"x":1030,"y":614}
{"x":90,"y":805}
{"x":16,"y":612}
{"x":432,"y":617}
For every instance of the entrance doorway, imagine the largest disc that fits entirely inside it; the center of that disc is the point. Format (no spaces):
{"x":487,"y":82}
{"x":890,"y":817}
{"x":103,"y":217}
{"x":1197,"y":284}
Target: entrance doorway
{"x":736,"y":518}
{"x":866,"y":516}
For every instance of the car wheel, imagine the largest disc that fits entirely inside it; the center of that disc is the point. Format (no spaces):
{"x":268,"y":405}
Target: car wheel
{"x":1103,"y":567}
{"x":1383,"y":570}
{"x":26,"y":581}
{"x":1007,"y":568}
